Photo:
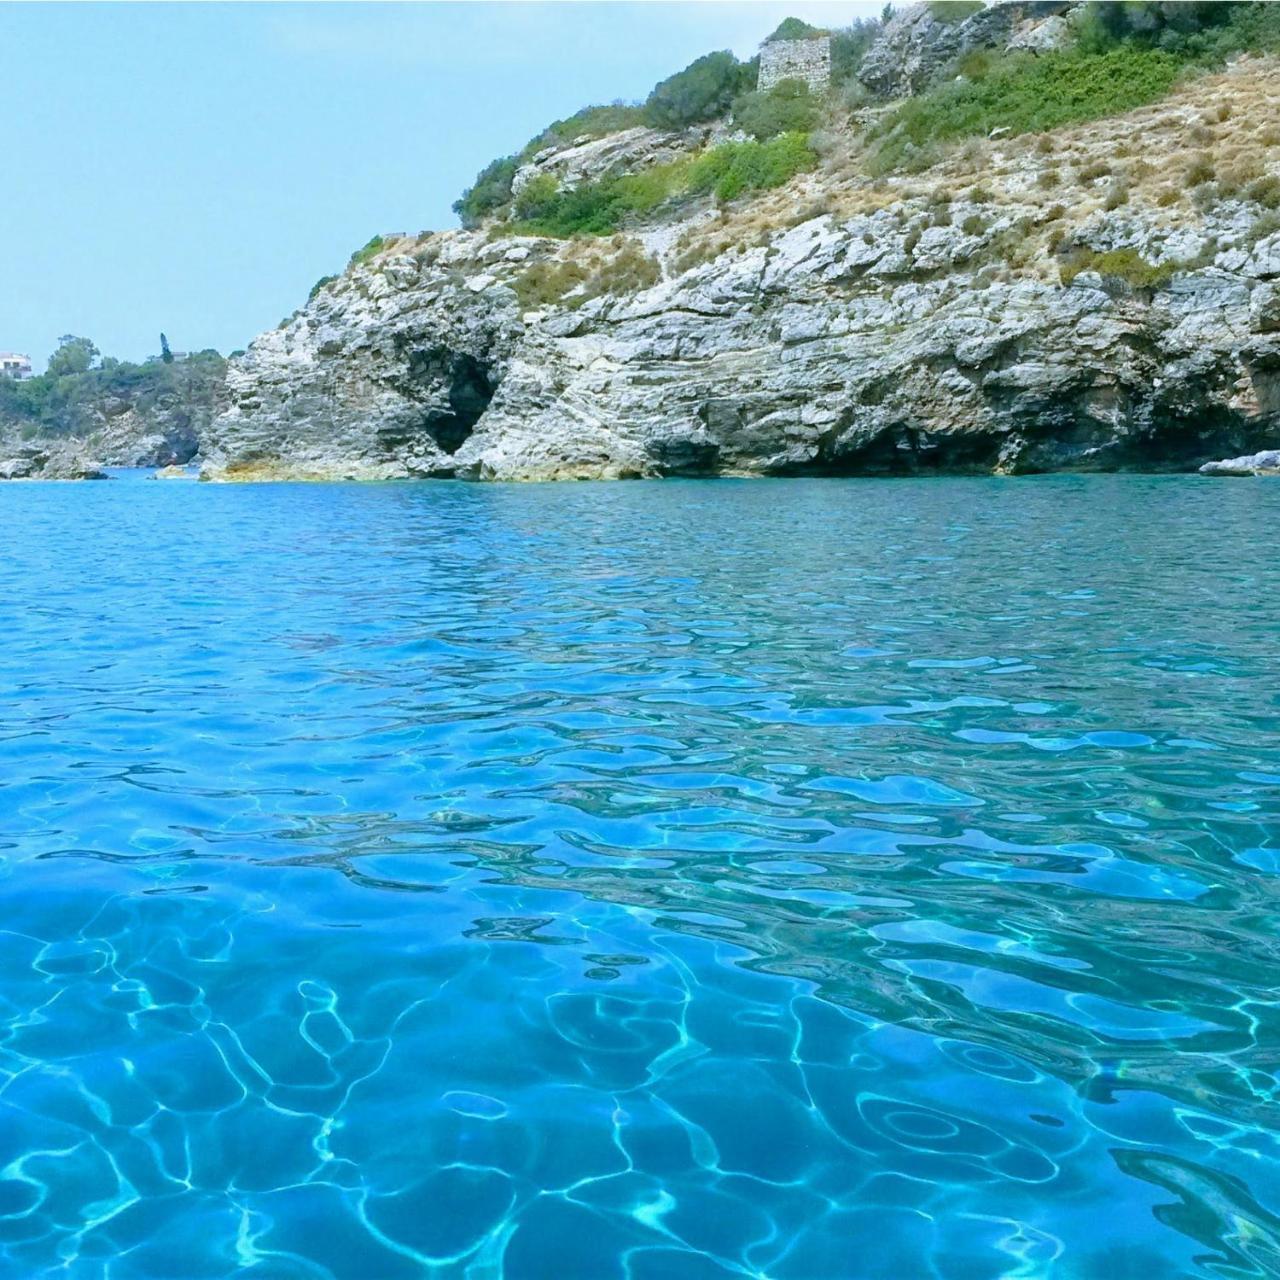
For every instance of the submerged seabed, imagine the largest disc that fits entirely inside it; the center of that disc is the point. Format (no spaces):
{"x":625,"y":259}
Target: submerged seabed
{"x":807,"y":879}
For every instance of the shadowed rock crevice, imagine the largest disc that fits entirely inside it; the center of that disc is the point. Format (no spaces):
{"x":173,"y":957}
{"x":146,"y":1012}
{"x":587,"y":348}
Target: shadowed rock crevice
{"x":467,"y":385}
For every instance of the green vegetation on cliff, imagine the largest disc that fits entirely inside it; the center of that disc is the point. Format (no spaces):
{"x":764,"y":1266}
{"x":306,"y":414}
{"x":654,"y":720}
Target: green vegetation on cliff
{"x":848,"y":47}
{"x":590,"y":122}
{"x":1124,"y":56}
{"x":367,"y":252}
{"x":735,"y":167}
{"x":704,"y":90}
{"x":1023,"y":94}
{"x":80,"y":386}
{"x":1206,"y":31}
{"x":601,"y":208}
{"x":789,"y":107}
{"x":1120,"y":56}
{"x":794,"y":29}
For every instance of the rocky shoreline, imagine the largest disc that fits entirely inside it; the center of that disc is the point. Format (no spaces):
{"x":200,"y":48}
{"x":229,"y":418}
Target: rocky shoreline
{"x":152,"y":417}
{"x":1053,"y":302}
{"x":830,"y":349}
{"x":1062,"y":301}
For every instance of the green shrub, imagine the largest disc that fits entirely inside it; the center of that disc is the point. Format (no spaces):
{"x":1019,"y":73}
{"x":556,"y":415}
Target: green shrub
{"x":849,"y":46}
{"x":1200,"y":30}
{"x":490,"y":191}
{"x":640,"y":193}
{"x":953,"y":11}
{"x":367,"y":252}
{"x":788,"y":107}
{"x":1026,"y":93}
{"x":793,"y":29}
{"x":1264,"y":191}
{"x":735,"y":167}
{"x":974,"y":225}
{"x":537,"y":198}
{"x":596,"y":208}
{"x":590,"y":209}
{"x":702,"y":91}
{"x":977,"y":64}
{"x":591,"y":122}
{"x":1120,"y":264}
{"x":322,"y":283}
{"x":600,"y":208}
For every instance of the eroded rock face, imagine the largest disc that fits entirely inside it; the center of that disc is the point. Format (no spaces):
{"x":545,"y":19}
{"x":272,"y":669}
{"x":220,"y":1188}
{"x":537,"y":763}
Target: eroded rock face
{"x":60,"y":460}
{"x":915,"y":45}
{"x":849,"y":346}
{"x":384,"y":375}
{"x":591,"y":159}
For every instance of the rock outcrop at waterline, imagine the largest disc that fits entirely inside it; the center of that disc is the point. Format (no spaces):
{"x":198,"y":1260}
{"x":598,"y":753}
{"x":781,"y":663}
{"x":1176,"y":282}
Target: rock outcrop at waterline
{"x":834,"y":347}
{"x":48,"y":460}
{"x":116,"y":415}
{"x":1265,"y":463}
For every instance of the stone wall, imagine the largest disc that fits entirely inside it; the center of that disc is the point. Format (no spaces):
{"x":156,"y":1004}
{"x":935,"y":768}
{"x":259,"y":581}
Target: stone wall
{"x":807,"y":60}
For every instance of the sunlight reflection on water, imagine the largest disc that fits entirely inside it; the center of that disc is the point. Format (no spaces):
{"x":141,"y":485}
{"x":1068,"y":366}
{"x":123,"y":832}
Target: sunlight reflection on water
{"x":801,"y":879}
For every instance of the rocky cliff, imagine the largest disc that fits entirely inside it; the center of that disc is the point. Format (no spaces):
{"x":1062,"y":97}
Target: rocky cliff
{"x":1029,"y":303}
{"x":115,"y":415}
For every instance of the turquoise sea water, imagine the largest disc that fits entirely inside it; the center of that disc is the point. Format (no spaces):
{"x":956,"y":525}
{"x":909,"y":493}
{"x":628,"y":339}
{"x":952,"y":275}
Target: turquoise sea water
{"x":680,"y":881}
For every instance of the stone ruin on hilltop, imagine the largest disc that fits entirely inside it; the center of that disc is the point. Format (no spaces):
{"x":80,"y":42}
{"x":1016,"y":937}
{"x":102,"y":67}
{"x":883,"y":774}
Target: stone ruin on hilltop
{"x":808,"y":60}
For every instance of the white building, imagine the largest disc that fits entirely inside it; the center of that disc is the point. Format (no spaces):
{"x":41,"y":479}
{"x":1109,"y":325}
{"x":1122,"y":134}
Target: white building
{"x":15,"y":365}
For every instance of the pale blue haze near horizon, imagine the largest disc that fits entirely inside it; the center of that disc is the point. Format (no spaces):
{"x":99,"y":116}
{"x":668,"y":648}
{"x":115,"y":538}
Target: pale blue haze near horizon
{"x":195,"y":168}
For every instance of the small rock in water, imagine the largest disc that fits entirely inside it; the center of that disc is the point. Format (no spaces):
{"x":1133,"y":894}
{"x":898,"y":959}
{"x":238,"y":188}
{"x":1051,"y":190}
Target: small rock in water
{"x":1265,"y":463}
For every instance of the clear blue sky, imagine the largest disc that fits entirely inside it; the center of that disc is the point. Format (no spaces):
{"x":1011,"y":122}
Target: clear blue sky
{"x":194,"y":168}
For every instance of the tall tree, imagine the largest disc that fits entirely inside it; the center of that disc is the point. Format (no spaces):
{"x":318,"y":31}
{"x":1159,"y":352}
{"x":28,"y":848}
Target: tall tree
{"x":74,"y":355}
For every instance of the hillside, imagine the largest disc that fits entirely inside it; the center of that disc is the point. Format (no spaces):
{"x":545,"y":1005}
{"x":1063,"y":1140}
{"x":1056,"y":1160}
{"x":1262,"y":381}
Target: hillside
{"x":1023,"y":237}
{"x":88,"y":412}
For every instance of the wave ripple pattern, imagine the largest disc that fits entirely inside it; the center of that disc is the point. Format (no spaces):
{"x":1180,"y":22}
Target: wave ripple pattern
{"x":688,"y":881}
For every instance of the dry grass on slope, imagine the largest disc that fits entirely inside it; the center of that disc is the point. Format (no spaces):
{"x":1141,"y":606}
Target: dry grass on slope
{"x":1215,"y":138}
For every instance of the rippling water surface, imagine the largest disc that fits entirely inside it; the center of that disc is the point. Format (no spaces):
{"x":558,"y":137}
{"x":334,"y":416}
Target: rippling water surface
{"x":803,"y":880}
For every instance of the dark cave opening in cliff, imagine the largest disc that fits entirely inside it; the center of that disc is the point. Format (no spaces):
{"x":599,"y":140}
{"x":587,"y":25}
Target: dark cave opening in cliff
{"x":470,"y":391}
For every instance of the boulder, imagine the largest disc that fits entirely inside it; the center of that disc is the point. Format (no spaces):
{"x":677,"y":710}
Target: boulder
{"x":1265,"y":463}
{"x":1264,"y":308}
